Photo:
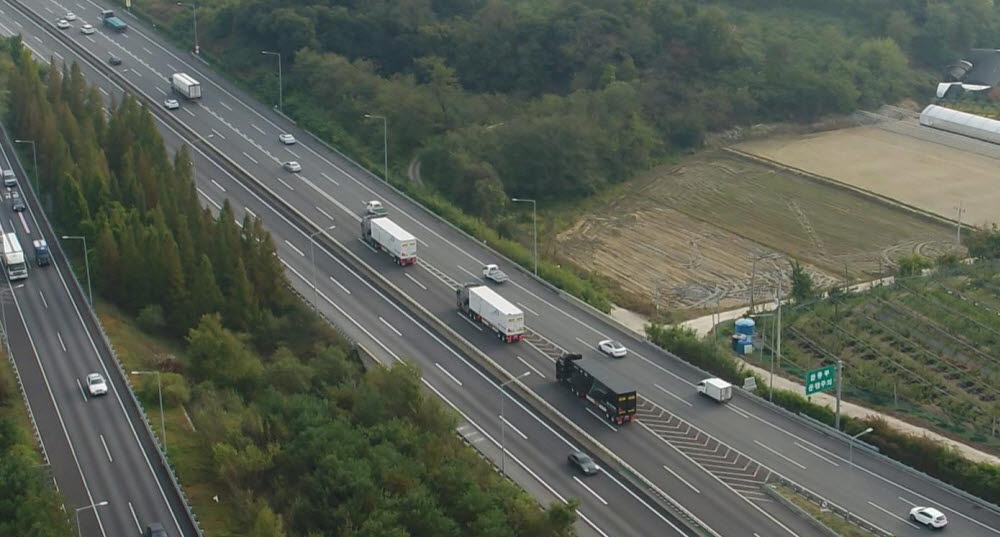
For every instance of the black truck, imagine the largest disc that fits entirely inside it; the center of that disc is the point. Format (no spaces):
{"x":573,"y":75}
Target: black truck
{"x":590,"y":379}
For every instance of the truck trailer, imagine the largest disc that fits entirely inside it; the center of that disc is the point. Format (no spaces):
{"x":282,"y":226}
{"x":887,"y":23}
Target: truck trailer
{"x":383,"y":234}
{"x":485,"y":306}
{"x":113,"y":22}
{"x":185,"y":86}
{"x":590,"y":379}
{"x":13,"y":257}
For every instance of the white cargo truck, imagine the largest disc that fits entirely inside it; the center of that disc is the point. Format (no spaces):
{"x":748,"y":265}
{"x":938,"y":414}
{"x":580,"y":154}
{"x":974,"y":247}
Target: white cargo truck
{"x":13,"y":257}
{"x":383,"y":234}
{"x":717,"y":389}
{"x":485,"y":306}
{"x":185,"y":86}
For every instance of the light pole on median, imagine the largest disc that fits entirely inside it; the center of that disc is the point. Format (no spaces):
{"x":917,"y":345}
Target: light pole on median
{"x":94,"y":506}
{"x":281,"y":98}
{"x":312,"y":257}
{"x":34,"y":158}
{"x":194,"y":14}
{"x":159,"y":388}
{"x":853,"y":438}
{"x":534,"y":225}
{"x":86,"y":262}
{"x":385,"y":142}
{"x":3,"y":315}
{"x":503,"y":423}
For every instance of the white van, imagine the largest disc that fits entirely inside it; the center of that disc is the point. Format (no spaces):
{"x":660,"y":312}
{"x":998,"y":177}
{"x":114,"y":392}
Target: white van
{"x":717,"y":389}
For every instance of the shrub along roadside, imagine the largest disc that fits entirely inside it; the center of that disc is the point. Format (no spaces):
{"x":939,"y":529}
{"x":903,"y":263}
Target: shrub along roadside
{"x":924,"y":454}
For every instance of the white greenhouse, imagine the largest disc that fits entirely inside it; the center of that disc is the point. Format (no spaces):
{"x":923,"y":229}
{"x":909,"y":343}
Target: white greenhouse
{"x":971,"y":125}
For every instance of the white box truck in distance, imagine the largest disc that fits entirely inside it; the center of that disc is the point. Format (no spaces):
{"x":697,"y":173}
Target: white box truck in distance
{"x":13,"y":257}
{"x":185,"y":86}
{"x":485,"y":306}
{"x":717,"y":389}
{"x":383,"y":234}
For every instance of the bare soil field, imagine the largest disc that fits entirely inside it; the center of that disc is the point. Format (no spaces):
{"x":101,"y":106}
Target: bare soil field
{"x":685,"y":236}
{"x":921,"y":167}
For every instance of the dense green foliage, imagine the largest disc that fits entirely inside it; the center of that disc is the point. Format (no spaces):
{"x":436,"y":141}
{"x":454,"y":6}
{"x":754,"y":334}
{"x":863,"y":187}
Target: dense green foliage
{"x":919,"y":452}
{"x":300,"y":436}
{"x":29,"y":504}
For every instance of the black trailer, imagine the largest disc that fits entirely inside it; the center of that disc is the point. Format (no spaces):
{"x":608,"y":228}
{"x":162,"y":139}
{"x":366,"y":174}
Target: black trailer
{"x":591,"y":379}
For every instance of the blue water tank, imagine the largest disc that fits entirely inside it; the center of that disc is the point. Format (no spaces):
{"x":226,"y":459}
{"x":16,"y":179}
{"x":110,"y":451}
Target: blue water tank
{"x":745,"y":326}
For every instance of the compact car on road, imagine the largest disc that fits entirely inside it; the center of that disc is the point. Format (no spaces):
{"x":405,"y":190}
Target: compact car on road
{"x":96,"y":385}
{"x":929,"y":516}
{"x":583,"y":462}
{"x":292,"y":166}
{"x":286,"y":139}
{"x":612,"y":348}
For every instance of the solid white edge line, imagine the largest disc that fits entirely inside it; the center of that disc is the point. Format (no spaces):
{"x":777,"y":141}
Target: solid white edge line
{"x":445,"y":371}
{"x":590,"y":490}
{"x":681,"y":479}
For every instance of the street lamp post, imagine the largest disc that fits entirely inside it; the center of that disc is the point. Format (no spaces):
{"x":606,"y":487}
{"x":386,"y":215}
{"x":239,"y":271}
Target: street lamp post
{"x":312,"y":257}
{"x":281,"y":98}
{"x":34,"y":158}
{"x":86,"y":261}
{"x":385,"y":142}
{"x":853,"y":438}
{"x":159,"y":388}
{"x":503,"y":423}
{"x":534,"y":225}
{"x":3,"y":315}
{"x":194,"y":14}
{"x":94,"y":506}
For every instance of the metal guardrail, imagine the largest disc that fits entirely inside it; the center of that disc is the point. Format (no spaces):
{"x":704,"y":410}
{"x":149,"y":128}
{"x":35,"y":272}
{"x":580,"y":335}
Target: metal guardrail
{"x":835,"y":509}
{"x":771,"y":491}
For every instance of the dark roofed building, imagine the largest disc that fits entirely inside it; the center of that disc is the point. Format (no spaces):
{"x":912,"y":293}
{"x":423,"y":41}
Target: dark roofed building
{"x":979,"y":72}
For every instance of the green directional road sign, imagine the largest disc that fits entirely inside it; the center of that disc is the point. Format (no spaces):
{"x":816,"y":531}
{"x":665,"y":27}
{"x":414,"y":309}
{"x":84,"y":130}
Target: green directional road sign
{"x":822,"y":379}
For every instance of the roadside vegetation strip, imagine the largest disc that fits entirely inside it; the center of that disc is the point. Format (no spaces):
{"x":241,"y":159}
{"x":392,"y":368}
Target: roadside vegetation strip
{"x":835,"y":525}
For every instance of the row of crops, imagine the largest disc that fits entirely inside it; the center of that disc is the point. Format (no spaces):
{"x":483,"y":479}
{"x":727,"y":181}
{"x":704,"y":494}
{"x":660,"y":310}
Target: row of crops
{"x":925,"y":346}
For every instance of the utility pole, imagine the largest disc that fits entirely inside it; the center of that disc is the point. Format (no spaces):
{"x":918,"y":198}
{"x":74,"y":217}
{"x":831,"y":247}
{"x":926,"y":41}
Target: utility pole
{"x":840,"y":380}
{"x":753,"y":278}
{"x":958,"y":228}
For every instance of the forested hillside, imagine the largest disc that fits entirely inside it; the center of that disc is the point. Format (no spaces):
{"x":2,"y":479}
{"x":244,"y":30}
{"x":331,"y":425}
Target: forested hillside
{"x":290,"y":429}
{"x":558,"y":98}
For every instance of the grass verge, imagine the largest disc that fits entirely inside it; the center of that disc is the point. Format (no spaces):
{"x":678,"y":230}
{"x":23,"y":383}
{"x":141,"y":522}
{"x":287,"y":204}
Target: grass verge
{"x":837,"y":524}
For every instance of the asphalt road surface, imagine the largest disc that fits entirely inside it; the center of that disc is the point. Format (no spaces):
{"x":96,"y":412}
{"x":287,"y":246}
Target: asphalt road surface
{"x":710,"y":458}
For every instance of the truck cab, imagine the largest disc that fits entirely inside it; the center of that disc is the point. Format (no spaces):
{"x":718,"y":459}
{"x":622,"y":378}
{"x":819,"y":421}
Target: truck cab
{"x":493,"y":272}
{"x":375,"y":208}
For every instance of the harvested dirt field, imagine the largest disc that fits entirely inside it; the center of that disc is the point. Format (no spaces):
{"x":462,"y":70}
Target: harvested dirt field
{"x":925,"y":168}
{"x":685,"y":235}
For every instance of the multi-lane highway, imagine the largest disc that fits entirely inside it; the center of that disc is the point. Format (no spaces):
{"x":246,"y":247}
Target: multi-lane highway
{"x":710,"y":458}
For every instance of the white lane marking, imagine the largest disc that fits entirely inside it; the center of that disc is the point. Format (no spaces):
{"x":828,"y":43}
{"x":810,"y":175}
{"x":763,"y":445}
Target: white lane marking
{"x":172,"y":68}
{"x":526,"y":308}
{"x":334,"y":280}
{"x":324,"y":213}
{"x":41,"y":294}
{"x":590,"y":490}
{"x":412,"y":279}
{"x":738,"y":411}
{"x":893,"y":515}
{"x":445,"y":371}
{"x":329,"y":178}
{"x":515,"y":429}
{"x":82,"y":393}
{"x":162,"y":91}
{"x":531,"y":367}
{"x":282,"y":181}
{"x":907,"y":501}
{"x":585,"y":344}
{"x":217,"y":133}
{"x":779,"y":454}
{"x":292,"y":246}
{"x":460,"y":267}
{"x":602,"y":419}
{"x":251,"y":158}
{"x":38,"y":39}
{"x":470,"y":321}
{"x":260,"y":130}
{"x":92,"y":40}
{"x":61,"y":342}
{"x":816,"y":454}
{"x":226,"y":106}
{"x":681,"y":479}
{"x":60,"y":56}
{"x":671,"y":394}
{"x":217,"y":185}
{"x":661,"y":368}
{"x":137,"y":73}
{"x":251,"y":213}
{"x":102,"y":90}
{"x":106,"y":450}
{"x":209,"y":198}
{"x":147,"y":51}
{"x":190,"y":113}
{"x":393,"y":328}
{"x":293,"y":154}
{"x":135,"y":518}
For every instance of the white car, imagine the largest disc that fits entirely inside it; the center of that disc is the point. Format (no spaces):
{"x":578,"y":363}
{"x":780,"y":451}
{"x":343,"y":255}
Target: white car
{"x":96,"y":385}
{"x":929,"y":516}
{"x":292,"y":166}
{"x":70,"y":16}
{"x":87,"y":29}
{"x":171,"y":104}
{"x":612,"y":348}
{"x":62,"y":24}
{"x":286,"y":139}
